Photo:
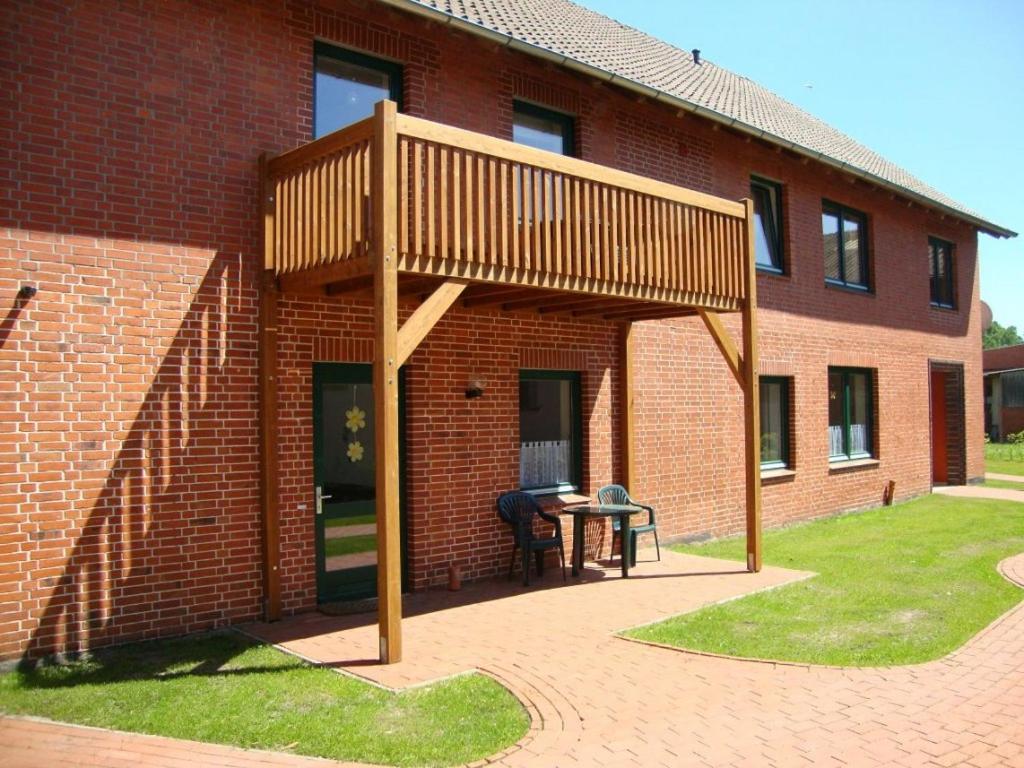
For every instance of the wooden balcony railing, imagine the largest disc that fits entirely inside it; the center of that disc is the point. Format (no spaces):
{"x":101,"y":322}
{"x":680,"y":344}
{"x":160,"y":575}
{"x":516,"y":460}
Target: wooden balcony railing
{"x":480,"y":208}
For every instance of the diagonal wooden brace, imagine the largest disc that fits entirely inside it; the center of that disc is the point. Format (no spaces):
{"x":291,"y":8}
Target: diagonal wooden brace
{"x":419,"y":324}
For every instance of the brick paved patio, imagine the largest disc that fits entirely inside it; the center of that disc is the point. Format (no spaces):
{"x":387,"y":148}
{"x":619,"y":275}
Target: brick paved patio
{"x":600,"y":700}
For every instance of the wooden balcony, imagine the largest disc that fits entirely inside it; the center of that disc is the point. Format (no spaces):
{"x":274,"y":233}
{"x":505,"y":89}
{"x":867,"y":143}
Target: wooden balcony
{"x":397,"y":205}
{"x":493,"y":212}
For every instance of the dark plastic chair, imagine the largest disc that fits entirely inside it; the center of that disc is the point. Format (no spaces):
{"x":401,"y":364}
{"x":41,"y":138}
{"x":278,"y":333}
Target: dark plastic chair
{"x":518,"y":509}
{"x":616,"y":494}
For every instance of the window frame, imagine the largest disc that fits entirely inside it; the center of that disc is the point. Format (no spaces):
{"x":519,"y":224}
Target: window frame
{"x":393,"y":69}
{"x":786,"y":461}
{"x":869,"y":374}
{"x":576,"y":401}
{"x":842,"y":212}
{"x":778,"y":224}
{"x":567,"y":121}
{"x":934,"y":244}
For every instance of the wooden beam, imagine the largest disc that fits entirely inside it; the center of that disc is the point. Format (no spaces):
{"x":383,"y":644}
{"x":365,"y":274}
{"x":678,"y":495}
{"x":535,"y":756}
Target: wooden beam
{"x":352,"y":285}
{"x":414,"y":285}
{"x":419,"y":324}
{"x":302,"y":281}
{"x":268,"y":409}
{"x":383,"y":186}
{"x":725,"y":343}
{"x":531,"y":301}
{"x":570,"y":302}
{"x":627,"y":338}
{"x":752,"y":402}
{"x":650,"y":313}
{"x":612,"y":307}
{"x":497,"y":296}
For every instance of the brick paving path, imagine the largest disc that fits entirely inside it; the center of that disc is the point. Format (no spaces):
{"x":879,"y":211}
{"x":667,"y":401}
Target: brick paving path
{"x":1007,"y":478}
{"x":600,"y":700}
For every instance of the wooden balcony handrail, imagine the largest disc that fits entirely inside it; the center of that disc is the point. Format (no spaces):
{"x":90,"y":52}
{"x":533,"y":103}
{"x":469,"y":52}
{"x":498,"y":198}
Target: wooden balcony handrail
{"x":481,"y":208}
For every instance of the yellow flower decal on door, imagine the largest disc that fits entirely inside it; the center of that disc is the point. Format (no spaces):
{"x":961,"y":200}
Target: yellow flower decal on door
{"x":355,"y":451}
{"x":355,"y":418}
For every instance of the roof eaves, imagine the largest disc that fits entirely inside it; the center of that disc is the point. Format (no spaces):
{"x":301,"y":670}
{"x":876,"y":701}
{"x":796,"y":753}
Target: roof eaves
{"x":532,"y":49}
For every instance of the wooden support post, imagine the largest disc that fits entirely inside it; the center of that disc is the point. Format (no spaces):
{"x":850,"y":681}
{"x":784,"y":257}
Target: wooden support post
{"x":628,"y":423}
{"x":267,"y":339}
{"x":384,"y":192}
{"x":419,"y":324}
{"x":752,"y":402}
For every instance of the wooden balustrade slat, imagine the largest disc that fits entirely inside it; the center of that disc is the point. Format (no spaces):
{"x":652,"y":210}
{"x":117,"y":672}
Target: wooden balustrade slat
{"x":431,"y":193}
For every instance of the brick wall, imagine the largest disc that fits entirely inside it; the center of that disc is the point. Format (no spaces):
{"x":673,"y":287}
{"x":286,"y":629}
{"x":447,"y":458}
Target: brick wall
{"x":128,"y":195}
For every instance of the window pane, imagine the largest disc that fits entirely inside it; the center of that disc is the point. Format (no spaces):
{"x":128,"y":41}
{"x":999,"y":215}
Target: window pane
{"x":346,"y":93}
{"x":836,"y":436}
{"x":540,"y":132}
{"x":830,"y":234}
{"x":766,"y":245}
{"x":545,"y":432}
{"x":852,"y":251}
{"x":773,"y":426}
{"x":860,"y":416}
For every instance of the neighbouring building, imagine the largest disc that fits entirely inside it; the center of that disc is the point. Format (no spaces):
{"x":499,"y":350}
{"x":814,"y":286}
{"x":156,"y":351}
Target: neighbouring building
{"x":215,"y":229}
{"x":1004,"y":391}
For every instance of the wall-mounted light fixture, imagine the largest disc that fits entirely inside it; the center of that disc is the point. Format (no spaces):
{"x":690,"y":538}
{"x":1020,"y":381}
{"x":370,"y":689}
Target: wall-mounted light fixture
{"x":475,"y":388}
{"x":27,"y":292}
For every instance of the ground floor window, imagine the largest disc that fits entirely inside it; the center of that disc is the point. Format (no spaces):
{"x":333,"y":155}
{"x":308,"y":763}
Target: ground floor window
{"x":774,"y":422}
{"x":550,"y":431}
{"x":850,"y":413}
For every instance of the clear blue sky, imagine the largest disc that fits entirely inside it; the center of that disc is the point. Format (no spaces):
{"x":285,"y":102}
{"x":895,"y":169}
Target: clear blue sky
{"x":936,"y":86}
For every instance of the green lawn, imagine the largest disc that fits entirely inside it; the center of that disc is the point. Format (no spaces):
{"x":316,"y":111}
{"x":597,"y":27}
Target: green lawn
{"x":895,"y":585}
{"x":1005,"y":484}
{"x":336,"y":522}
{"x":1004,"y":458}
{"x":227,"y":689}
{"x":348,"y":545}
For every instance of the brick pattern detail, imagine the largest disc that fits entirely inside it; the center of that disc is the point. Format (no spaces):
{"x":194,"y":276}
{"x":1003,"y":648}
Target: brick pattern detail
{"x":128,"y":195}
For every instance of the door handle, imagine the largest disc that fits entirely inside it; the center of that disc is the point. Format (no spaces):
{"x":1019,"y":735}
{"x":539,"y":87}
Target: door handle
{"x":320,"y":498}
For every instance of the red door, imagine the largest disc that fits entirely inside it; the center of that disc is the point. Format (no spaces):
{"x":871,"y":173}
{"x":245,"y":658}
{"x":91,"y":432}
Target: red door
{"x":940,"y":432}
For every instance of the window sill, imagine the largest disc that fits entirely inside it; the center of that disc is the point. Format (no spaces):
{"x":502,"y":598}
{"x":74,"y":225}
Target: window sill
{"x":556,"y":501}
{"x":850,"y":288}
{"x":845,"y":464}
{"x":943,"y":307}
{"x":776,"y":475}
{"x":771,"y":271}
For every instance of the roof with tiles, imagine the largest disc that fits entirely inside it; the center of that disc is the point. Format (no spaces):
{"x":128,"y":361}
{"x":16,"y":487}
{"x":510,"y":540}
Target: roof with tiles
{"x":585,"y":37}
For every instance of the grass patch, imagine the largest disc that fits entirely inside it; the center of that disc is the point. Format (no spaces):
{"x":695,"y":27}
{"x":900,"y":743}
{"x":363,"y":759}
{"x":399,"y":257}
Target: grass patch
{"x":1004,"y":458}
{"x":228,"y":689}
{"x":349,"y":545}
{"x":1005,"y":484}
{"x":895,"y":585}
{"x":336,"y":522}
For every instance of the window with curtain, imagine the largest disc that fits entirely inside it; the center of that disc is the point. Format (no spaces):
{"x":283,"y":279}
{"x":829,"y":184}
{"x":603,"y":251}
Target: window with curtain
{"x":550,"y":431}
{"x":850,"y":413}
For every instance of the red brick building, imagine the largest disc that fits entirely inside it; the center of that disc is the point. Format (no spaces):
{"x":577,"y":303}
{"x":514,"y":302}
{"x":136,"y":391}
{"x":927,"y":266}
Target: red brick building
{"x":1004,"y":391}
{"x":131,"y":203}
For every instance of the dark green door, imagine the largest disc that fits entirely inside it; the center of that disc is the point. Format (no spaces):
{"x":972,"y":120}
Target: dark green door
{"x":344,"y":477}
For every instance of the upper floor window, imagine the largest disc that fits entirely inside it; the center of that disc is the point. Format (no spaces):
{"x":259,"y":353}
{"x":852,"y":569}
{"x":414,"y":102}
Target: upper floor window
{"x":767,"y":198}
{"x":844,"y":232}
{"x":542,"y":128}
{"x":940,"y":270}
{"x":348,"y":84}
{"x":550,"y":431}
{"x":850,"y":413}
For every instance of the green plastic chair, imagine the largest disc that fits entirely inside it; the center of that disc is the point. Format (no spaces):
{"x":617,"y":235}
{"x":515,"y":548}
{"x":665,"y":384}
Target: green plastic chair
{"x":518,"y":509}
{"x":616,"y":494}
